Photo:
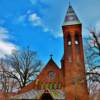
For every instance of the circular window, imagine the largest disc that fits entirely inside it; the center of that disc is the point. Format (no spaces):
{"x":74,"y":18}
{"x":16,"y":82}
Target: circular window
{"x":51,"y":75}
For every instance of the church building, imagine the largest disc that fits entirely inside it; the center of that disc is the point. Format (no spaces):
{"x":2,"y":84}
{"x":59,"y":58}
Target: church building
{"x":69,"y":81}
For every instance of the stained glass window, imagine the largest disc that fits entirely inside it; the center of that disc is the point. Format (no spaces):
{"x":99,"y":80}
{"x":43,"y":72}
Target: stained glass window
{"x":51,"y":75}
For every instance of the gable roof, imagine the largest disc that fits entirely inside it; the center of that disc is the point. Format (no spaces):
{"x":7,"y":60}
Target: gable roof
{"x":52,"y":62}
{"x":51,"y":65}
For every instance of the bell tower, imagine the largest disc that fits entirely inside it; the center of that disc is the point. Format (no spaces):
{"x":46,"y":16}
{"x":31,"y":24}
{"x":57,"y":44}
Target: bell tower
{"x":73,"y":67}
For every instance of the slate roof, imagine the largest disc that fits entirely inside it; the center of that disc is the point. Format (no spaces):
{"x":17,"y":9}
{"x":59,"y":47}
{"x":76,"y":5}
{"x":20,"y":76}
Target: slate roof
{"x":71,"y":17}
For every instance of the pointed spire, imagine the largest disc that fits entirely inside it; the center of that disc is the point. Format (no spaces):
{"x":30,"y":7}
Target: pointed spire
{"x":71,"y":17}
{"x":69,"y":3}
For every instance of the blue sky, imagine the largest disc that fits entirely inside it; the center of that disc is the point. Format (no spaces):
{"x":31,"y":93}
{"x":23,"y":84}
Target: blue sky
{"x":37,"y":23}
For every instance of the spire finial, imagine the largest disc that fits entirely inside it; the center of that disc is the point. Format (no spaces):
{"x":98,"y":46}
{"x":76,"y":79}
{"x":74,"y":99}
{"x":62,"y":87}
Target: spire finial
{"x":51,"y":56}
{"x":69,"y":3}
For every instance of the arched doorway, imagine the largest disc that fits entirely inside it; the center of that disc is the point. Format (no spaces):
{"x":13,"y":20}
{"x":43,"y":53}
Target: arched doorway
{"x":46,"y":96}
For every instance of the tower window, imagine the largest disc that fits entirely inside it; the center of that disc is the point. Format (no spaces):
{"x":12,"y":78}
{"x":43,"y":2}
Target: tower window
{"x":69,"y":40}
{"x":76,"y":42}
{"x":69,"y":47}
{"x":77,"y":45}
{"x":69,"y":43}
{"x":76,"y":38}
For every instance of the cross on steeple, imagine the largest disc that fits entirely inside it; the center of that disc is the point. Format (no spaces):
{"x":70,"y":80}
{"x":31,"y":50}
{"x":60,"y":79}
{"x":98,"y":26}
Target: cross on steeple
{"x":51,"y":56}
{"x":69,"y":3}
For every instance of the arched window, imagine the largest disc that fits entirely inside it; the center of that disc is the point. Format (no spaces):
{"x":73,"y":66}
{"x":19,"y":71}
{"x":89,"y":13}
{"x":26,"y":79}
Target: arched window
{"x":69,"y":46}
{"x":46,"y":96}
{"x":76,"y":38}
{"x":77,"y":41}
{"x":59,"y":85}
{"x":77,"y":45}
{"x":51,"y":75}
{"x":69,"y":42}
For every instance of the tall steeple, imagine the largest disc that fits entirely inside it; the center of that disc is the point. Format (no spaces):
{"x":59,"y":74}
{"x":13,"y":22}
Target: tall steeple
{"x":73,"y":66}
{"x":71,"y":17}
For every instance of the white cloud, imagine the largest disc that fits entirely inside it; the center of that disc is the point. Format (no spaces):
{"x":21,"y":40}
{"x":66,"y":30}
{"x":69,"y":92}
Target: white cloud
{"x":3,"y":30}
{"x":35,"y":19}
{"x":6,"y":47}
{"x":57,"y":34}
{"x":3,"y":36}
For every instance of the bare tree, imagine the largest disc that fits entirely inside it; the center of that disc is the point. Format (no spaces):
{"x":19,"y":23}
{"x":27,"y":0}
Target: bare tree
{"x":24,"y":66}
{"x":7,"y":84}
{"x":93,"y":59}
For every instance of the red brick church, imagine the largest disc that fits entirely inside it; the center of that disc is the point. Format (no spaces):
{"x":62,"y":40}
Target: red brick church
{"x":69,"y":82}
